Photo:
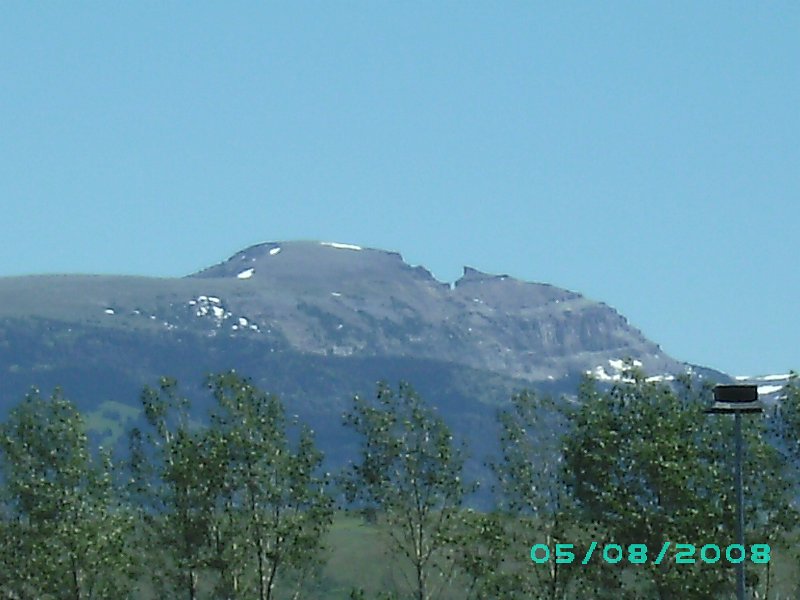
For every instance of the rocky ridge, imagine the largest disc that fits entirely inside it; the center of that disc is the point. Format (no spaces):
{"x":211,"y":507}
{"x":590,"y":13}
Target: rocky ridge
{"x":340,"y":299}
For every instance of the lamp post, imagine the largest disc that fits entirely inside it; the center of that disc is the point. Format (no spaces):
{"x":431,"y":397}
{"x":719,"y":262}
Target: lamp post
{"x":737,"y":399}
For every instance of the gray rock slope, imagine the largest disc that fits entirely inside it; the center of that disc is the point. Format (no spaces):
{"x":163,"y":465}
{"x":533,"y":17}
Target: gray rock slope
{"x":339,"y":300}
{"x":315,"y":323}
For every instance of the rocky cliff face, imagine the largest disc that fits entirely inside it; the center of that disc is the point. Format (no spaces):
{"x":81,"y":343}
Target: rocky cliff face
{"x":342,"y":300}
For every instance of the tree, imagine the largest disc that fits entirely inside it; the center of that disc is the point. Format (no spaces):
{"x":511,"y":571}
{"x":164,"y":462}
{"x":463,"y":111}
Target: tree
{"x":229,"y":499}
{"x":485,"y":547}
{"x":410,"y":473}
{"x":271,"y":492}
{"x":174,"y":480}
{"x":786,"y":427}
{"x":63,"y":531}
{"x":650,"y":467}
{"x":533,"y":493}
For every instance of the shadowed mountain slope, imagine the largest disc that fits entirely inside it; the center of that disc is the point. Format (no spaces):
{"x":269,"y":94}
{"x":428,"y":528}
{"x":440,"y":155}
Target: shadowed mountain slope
{"x":314,"y":322}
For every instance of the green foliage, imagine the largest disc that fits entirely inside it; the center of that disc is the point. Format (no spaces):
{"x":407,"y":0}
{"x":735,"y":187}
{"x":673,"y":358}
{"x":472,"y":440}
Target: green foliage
{"x":237,"y":500}
{"x":535,"y":501}
{"x":647,"y":465}
{"x":410,"y":473}
{"x":63,"y":535}
{"x":173,"y":483}
{"x":272,"y":507}
{"x":786,"y":425}
{"x":239,"y":508}
{"x":530,"y":474}
{"x":485,"y":556}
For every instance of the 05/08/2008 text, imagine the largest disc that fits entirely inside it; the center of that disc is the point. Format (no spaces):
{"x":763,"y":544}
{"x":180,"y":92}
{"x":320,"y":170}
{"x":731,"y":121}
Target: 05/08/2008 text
{"x":638,"y":553}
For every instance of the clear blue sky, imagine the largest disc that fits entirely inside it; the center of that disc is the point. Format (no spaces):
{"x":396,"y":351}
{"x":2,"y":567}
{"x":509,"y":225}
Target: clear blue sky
{"x":646,"y":154}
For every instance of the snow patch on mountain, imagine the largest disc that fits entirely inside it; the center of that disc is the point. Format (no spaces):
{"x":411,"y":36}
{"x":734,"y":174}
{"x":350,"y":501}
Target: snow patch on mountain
{"x":763,"y":390}
{"x":618,"y":368}
{"x":246,"y":274}
{"x":210,"y":305}
{"x":341,"y":246}
{"x":619,"y":365}
{"x":784,"y":377}
{"x":213,"y":308}
{"x":660,"y":378}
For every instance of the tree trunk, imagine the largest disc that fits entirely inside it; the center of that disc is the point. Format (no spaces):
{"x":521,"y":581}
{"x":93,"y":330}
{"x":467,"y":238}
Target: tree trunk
{"x":261,"y":575}
{"x":271,"y":583}
{"x":422,"y":592}
{"x":76,"y":580}
{"x":192,"y":576}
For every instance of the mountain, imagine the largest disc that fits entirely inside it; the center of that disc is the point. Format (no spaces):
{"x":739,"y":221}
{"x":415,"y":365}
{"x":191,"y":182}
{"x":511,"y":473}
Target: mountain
{"x":346,"y":301}
{"x":314,"y":322}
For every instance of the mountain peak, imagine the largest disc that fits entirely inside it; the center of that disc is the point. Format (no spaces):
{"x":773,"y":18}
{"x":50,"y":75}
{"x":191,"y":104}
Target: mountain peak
{"x":321,"y":261}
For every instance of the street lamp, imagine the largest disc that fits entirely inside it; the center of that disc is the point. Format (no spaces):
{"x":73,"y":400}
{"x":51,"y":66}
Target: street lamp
{"x":737,"y":399}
